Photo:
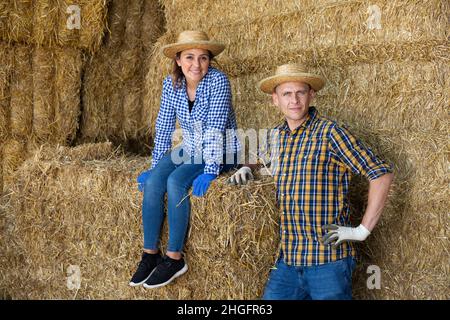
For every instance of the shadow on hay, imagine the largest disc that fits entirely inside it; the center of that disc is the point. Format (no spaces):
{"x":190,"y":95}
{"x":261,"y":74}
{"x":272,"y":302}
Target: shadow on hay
{"x":374,"y":250}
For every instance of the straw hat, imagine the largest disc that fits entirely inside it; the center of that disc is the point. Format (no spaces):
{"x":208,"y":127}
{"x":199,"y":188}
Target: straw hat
{"x":288,"y":73}
{"x":192,"y":39}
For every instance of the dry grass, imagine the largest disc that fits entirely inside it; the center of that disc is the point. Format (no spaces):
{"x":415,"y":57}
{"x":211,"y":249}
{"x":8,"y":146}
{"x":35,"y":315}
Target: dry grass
{"x":80,"y":206}
{"x":114,"y":90}
{"x":44,"y":23}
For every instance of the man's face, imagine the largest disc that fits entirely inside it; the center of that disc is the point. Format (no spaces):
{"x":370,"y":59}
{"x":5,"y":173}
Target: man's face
{"x":293,"y":99}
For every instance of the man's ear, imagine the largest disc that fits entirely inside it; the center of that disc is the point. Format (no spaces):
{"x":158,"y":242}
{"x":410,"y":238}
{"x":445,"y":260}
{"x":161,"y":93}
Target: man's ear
{"x":275,"y":98}
{"x":312,"y":93}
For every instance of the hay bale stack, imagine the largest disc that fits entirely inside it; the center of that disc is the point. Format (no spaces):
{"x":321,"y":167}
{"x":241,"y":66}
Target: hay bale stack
{"x":21,"y":106}
{"x":14,"y":153}
{"x":48,"y":23}
{"x":5,"y":75}
{"x":43,"y":94}
{"x":81,"y":206}
{"x":113,"y":90}
{"x":39,"y":97}
{"x":68,"y":76}
{"x":388,"y":85}
{"x":263,"y":25}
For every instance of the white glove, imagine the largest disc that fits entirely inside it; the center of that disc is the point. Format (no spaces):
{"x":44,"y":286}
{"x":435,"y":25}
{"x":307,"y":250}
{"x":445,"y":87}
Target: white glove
{"x":242,"y":176}
{"x":340,"y":233}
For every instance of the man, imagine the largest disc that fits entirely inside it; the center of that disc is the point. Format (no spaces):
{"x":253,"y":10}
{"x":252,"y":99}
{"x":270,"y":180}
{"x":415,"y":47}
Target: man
{"x":314,"y":158}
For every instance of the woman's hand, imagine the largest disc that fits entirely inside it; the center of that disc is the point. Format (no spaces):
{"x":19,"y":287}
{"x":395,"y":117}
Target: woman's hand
{"x":201,"y":184}
{"x":142,"y":178}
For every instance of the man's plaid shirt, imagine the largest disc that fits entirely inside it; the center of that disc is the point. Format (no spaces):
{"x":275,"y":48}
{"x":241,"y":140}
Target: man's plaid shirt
{"x":312,"y":166}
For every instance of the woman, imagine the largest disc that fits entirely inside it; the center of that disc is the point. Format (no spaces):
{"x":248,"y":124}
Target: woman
{"x":199,"y":96}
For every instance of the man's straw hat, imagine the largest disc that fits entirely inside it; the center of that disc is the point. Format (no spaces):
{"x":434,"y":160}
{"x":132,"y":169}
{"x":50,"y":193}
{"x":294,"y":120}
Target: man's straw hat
{"x":290,"y":73}
{"x":192,"y":39}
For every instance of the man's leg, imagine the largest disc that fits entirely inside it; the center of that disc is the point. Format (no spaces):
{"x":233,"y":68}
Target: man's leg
{"x":331,"y":281}
{"x":285,"y":283}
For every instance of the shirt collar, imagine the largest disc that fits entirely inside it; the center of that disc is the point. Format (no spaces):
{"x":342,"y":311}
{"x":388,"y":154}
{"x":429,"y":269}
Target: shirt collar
{"x":311,"y":117}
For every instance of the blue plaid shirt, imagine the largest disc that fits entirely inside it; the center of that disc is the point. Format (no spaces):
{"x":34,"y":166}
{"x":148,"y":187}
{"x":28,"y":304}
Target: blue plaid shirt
{"x":209,"y":130}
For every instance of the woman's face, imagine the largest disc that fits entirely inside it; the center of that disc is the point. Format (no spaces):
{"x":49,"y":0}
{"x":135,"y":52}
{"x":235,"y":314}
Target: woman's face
{"x":194,"y":63}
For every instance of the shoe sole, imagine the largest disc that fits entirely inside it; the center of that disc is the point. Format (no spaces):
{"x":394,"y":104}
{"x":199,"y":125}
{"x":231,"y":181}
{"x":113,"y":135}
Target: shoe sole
{"x":134,"y":284}
{"x":176,"y":275}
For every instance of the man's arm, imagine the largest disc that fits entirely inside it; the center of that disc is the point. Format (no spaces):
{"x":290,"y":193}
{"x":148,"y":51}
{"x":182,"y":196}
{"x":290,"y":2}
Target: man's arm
{"x":378,"y":192}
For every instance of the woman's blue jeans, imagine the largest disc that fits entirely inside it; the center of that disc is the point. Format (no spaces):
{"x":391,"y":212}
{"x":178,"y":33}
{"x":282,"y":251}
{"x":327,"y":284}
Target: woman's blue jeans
{"x":329,"y":281}
{"x":175,"y":179}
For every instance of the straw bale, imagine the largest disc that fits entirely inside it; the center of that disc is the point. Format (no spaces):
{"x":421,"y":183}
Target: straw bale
{"x":131,"y":58}
{"x":313,"y":23}
{"x":77,"y":211}
{"x":117,"y":13}
{"x":43,"y":94}
{"x":14,"y":153}
{"x":22,"y":92}
{"x":45,"y":21}
{"x":5,"y":75}
{"x":4,"y":19}
{"x":231,"y":243}
{"x":152,"y":25}
{"x":68,"y":68}
{"x":158,"y":68}
{"x":66,"y":36}
{"x":94,"y":19}
{"x":20,"y":21}
{"x":113,"y":107}
{"x":101,"y":78}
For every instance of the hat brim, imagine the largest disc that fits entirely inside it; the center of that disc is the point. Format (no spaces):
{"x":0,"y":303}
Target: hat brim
{"x":269,"y":84}
{"x":171,"y":50}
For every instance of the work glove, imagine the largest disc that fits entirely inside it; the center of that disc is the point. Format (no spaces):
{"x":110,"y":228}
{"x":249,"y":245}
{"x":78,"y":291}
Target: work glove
{"x":338,"y":234}
{"x":240,"y":177}
{"x":142,"y":178}
{"x":201,"y":184}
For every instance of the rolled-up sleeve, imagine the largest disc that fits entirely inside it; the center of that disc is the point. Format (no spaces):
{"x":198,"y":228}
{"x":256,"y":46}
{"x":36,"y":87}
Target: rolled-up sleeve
{"x":355,"y":155}
{"x":220,"y":105}
{"x":165,"y":124}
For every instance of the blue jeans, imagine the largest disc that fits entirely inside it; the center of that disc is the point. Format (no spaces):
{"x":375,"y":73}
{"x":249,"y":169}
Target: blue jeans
{"x":175,"y":179}
{"x":330,"y":281}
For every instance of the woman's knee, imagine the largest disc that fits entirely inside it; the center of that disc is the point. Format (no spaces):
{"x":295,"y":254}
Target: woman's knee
{"x":176,"y":185}
{"x":154,"y":184}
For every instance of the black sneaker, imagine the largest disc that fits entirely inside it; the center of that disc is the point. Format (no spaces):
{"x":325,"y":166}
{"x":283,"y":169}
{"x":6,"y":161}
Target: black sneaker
{"x":165,"y":272}
{"x":145,"y":268}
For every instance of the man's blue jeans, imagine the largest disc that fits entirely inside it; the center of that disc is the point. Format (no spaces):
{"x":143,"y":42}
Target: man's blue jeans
{"x":330,"y":281}
{"x":175,"y":179}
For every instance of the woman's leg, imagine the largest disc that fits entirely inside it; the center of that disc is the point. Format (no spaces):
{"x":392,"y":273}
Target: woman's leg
{"x":153,"y":202}
{"x":178,"y":205}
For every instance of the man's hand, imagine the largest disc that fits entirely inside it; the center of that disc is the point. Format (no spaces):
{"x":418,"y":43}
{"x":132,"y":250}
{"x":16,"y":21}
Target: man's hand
{"x":240,"y":177}
{"x":338,"y":234}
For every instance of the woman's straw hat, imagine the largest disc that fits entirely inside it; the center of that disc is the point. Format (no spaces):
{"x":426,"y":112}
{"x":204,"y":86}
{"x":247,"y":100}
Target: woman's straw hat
{"x":289,"y":73}
{"x":192,"y":39}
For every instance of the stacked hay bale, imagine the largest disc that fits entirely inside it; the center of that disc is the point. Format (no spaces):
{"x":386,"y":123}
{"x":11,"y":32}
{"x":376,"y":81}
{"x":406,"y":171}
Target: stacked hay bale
{"x":387,"y":80}
{"x":388,"y":85}
{"x":41,"y":72}
{"x":53,"y":23}
{"x":114,"y":80}
{"x":81,"y":207}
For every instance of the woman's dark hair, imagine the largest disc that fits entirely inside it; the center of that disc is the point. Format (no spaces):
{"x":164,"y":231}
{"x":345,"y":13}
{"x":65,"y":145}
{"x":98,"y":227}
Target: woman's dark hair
{"x":177,"y":74}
